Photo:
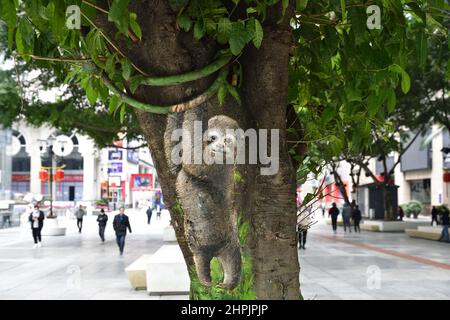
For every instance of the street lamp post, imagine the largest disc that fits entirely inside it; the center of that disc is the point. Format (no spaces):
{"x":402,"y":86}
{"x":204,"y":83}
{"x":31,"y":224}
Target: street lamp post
{"x":48,"y":144}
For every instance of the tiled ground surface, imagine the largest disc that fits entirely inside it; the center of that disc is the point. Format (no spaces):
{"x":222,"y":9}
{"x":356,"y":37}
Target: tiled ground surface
{"x":76,"y":266}
{"x":346,"y":270}
{"x":80,"y":267}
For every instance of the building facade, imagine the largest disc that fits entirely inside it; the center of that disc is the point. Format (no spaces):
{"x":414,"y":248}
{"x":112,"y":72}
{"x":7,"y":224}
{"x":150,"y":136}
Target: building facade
{"x":90,"y":174}
{"x":423,"y":175}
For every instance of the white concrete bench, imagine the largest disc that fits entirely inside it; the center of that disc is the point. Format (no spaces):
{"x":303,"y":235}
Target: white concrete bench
{"x":52,"y":228}
{"x":167,"y":272}
{"x":423,"y":232}
{"x":169,"y":234}
{"x":137,"y":272}
{"x":391,"y":226}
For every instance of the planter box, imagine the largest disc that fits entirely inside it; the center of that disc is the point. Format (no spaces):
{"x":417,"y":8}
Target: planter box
{"x":167,"y":272}
{"x":391,"y":226}
{"x":52,"y":228}
{"x":424,"y":234}
{"x":137,"y":272}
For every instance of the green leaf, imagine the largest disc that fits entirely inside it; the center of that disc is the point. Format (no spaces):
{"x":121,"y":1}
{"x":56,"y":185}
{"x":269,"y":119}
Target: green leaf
{"x":224,"y":27}
{"x":24,"y":38}
{"x":135,"y":27}
{"x":8,"y":14}
{"x":422,"y":49}
{"x":185,"y":22}
{"x":301,"y":4}
{"x":258,"y":33}
{"x":391,"y":100}
{"x":406,"y":80}
{"x":135,"y":82}
{"x":118,"y":13}
{"x":285,"y":4}
{"x":199,"y":29}
{"x":239,"y":38}
{"x":126,"y":69}
{"x":91,"y":93}
{"x":373,"y":104}
{"x":114,"y":103}
{"x":307,"y":199}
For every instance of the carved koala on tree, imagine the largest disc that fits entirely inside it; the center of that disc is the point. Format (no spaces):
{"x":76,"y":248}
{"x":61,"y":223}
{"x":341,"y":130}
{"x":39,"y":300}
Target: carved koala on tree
{"x":206,"y":195}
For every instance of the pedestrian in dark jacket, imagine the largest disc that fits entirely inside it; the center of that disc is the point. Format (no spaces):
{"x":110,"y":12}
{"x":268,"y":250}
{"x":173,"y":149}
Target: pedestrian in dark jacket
{"x":36,"y":220}
{"x":445,"y":223}
{"x":356,"y":216}
{"x":334,"y":212}
{"x":434,"y":215}
{"x":401,"y":213}
{"x":120,"y":224}
{"x":149,"y":214}
{"x":102,"y":220}
{"x":346,"y":215}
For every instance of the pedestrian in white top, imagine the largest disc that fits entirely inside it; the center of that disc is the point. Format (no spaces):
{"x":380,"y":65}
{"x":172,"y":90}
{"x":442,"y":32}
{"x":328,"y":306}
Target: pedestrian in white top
{"x":36,"y":220}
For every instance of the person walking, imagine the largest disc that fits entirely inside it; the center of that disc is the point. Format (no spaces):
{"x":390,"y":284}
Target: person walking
{"x":36,"y":220}
{"x":334,"y":212}
{"x":120,"y":224}
{"x":434,"y":215}
{"x":401,"y":213}
{"x":102,"y":220}
{"x":149,"y":214}
{"x":158,"y":212}
{"x":356,"y":216}
{"x":80,"y":214}
{"x":302,"y":234}
{"x":346,"y":215}
{"x":445,"y":223}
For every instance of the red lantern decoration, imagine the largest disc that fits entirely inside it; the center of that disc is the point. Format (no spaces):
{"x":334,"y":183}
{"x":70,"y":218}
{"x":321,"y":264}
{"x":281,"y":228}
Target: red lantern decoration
{"x":59,"y":176}
{"x":446,"y":176}
{"x":104,"y":185}
{"x":43,"y":175}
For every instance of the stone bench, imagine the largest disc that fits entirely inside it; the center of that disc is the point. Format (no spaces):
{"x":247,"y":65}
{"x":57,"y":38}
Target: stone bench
{"x":369,"y":227}
{"x":167,"y":273}
{"x":137,"y":272}
{"x":52,"y":228}
{"x":391,"y":226}
{"x":422,"y":232}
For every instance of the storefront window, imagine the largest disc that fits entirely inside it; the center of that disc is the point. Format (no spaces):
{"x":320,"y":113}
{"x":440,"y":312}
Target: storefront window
{"x":421,"y":190}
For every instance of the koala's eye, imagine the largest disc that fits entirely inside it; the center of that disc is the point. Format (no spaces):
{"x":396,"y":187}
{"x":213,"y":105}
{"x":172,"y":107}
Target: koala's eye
{"x":212,"y":138}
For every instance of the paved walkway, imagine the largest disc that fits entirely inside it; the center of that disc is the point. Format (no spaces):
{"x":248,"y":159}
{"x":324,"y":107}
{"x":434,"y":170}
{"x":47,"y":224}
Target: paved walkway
{"x":76,"y":266}
{"x":354,"y":266}
{"x":373,"y":265}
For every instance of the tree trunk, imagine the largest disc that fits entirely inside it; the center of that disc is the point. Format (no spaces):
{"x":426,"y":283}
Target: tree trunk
{"x":387,"y":201}
{"x":268,"y":202}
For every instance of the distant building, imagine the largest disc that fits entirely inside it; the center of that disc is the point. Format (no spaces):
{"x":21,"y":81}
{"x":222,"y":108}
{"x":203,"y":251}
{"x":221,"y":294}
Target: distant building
{"x":422,"y":175}
{"x":90,"y":174}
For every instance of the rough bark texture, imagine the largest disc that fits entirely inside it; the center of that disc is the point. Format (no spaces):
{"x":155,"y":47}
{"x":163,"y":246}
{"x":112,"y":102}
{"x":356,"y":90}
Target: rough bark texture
{"x":269,"y":201}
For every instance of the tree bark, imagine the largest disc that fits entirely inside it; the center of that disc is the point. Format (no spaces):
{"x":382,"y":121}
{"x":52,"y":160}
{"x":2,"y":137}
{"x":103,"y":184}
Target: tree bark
{"x":268,"y":202}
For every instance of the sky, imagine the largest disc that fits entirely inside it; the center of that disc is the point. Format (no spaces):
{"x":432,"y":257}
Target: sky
{"x":43,"y":95}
